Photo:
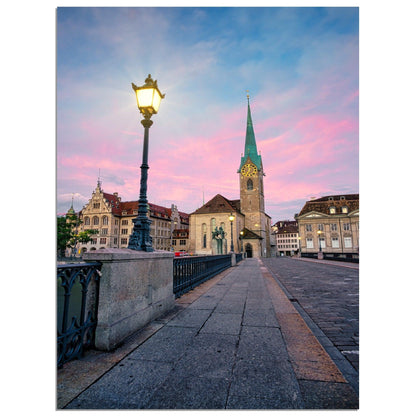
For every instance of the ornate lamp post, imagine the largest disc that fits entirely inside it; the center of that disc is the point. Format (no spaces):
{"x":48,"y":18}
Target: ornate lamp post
{"x":231,"y":218}
{"x":319,"y":239}
{"x":300,"y":246}
{"x":320,"y":254}
{"x":148,"y":100}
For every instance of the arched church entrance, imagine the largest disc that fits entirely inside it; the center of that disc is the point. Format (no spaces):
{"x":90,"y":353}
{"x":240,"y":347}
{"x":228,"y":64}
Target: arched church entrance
{"x":249,"y":250}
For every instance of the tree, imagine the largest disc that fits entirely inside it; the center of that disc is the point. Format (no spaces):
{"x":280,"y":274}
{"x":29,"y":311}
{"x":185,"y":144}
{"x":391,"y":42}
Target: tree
{"x":68,"y":235}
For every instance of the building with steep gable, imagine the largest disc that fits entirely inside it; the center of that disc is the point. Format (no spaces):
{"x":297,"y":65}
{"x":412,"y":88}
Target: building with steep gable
{"x":113,"y":218}
{"x":210,"y":227}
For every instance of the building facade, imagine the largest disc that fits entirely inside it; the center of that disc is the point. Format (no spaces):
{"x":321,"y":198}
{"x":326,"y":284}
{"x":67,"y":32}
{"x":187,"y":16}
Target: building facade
{"x":330,"y":225}
{"x":210,"y":225}
{"x":113,"y":219}
{"x":287,"y":238}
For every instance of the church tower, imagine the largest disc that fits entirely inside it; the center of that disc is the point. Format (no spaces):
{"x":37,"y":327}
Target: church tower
{"x":256,"y":233}
{"x":251,"y":178}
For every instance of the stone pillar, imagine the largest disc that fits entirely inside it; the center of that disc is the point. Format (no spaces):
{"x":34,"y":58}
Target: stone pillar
{"x":136,"y":287}
{"x":233,"y":259}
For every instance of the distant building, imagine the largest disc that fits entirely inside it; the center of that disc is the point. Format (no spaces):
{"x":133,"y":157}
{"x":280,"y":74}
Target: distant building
{"x":113,"y":219}
{"x":180,"y":240}
{"x":287,"y":241}
{"x":331,"y":225}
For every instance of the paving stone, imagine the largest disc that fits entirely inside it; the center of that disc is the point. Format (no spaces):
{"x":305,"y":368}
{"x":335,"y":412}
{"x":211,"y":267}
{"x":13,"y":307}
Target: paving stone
{"x":222,"y":323}
{"x":263,"y":317}
{"x":209,"y":356}
{"x":269,"y":379}
{"x":190,"y":393}
{"x":194,"y":318}
{"x":319,"y":395}
{"x":167,"y":345}
{"x":126,"y":386}
{"x":261,"y":343}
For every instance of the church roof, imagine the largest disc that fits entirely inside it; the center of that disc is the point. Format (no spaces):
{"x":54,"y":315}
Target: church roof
{"x":250,"y":148}
{"x":219,"y":204}
{"x":250,"y":235}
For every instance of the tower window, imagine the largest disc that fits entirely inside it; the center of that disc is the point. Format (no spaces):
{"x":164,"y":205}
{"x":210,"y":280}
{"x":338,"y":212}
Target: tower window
{"x":249,"y":185}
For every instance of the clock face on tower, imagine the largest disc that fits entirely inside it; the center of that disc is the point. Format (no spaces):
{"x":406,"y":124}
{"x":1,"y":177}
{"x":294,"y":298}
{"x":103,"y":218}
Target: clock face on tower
{"x":249,"y":170}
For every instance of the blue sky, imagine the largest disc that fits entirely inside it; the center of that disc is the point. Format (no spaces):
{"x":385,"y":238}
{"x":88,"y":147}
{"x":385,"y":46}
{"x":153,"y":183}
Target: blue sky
{"x":299,"y":64}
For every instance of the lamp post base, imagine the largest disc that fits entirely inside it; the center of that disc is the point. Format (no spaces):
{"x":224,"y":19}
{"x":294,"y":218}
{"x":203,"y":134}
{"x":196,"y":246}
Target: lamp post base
{"x":140,"y":238}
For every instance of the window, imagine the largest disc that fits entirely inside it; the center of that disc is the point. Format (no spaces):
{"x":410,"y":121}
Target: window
{"x":308,"y":227}
{"x":105,"y":220}
{"x":322,"y":242}
{"x":204,"y":242}
{"x":104,"y":231}
{"x":346,"y":226}
{"x":347,"y":242}
{"x":124,"y":222}
{"x":345,"y":210}
{"x":333,"y":227}
{"x":115,"y":240}
{"x":249,"y":185}
{"x":116,"y":222}
{"x":96,"y":205}
{"x":320,"y":227}
{"x":174,"y":242}
{"x":309,"y":243}
{"x":123,"y":241}
{"x":182,"y":242}
{"x":96,"y":221}
{"x":213,"y":224}
{"x":332,"y":210}
{"x":103,"y":240}
{"x":87,"y":221}
{"x":94,"y":241}
{"x":124,"y":231}
{"x":335,"y":242}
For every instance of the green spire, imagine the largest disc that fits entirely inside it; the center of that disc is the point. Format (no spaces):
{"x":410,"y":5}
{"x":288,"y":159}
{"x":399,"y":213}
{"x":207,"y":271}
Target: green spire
{"x":250,"y":148}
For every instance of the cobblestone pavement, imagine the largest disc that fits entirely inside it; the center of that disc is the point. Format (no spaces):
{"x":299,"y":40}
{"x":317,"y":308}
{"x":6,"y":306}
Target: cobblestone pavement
{"x":235,"y":342}
{"x":329,"y":294}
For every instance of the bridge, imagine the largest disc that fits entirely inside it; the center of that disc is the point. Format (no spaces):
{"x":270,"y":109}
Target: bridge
{"x":274,"y":333}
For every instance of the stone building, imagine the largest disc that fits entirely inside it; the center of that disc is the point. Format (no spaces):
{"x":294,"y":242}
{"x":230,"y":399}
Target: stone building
{"x":331,"y":225}
{"x":287,"y":237}
{"x":113,"y":219}
{"x":210,"y":226}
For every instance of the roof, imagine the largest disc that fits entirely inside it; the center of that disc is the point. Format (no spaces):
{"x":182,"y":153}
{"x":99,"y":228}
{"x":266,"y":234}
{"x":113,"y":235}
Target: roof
{"x":219,"y":204}
{"x":131,"y":208}
{"x":322,"y":205}
{"x":250,"y":147}
{"x":250,"y":235}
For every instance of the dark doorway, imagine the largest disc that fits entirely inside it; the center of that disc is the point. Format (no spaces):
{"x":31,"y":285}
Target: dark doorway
{"x":249,"y":250}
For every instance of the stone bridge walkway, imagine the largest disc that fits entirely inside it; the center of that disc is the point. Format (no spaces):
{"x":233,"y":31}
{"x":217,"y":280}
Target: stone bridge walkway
{"x":235,"y":342}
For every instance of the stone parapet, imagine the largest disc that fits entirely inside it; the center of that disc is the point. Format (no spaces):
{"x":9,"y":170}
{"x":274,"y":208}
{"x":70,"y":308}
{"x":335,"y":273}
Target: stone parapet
{"x":135,"y":288}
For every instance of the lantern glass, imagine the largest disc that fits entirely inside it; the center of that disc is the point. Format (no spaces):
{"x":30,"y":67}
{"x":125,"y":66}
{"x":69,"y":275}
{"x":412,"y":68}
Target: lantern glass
{"x":231,"y":217}
{"x":148,"y":100}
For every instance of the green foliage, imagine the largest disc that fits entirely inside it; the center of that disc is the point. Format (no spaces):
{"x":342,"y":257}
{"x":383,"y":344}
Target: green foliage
{"x":67,"y":235}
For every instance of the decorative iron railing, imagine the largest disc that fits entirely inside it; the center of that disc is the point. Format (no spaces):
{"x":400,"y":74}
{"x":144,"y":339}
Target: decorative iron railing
{"x":77,"y":306}
{"x":238,"y":257}
{"x":189,"y":272}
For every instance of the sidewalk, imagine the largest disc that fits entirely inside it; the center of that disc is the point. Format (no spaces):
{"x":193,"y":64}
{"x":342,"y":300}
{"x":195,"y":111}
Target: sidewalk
{"x":235,"y":342}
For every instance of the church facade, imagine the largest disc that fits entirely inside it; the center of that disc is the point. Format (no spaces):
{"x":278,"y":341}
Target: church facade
{"x":210,"y":227}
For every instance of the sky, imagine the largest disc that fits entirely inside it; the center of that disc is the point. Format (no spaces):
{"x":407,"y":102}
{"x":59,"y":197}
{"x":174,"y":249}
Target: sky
{"x":300,"y":66}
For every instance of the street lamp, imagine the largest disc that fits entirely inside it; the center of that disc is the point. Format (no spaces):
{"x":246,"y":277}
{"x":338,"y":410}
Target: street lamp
{"x":148,"y":99}
{"x":319,"y":239}
{"x":231,"y":218}
{"x":300,"y":246}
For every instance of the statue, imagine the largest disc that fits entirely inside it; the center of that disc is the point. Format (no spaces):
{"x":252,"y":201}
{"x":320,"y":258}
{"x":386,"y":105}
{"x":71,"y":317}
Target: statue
{"x":218,"y":234}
